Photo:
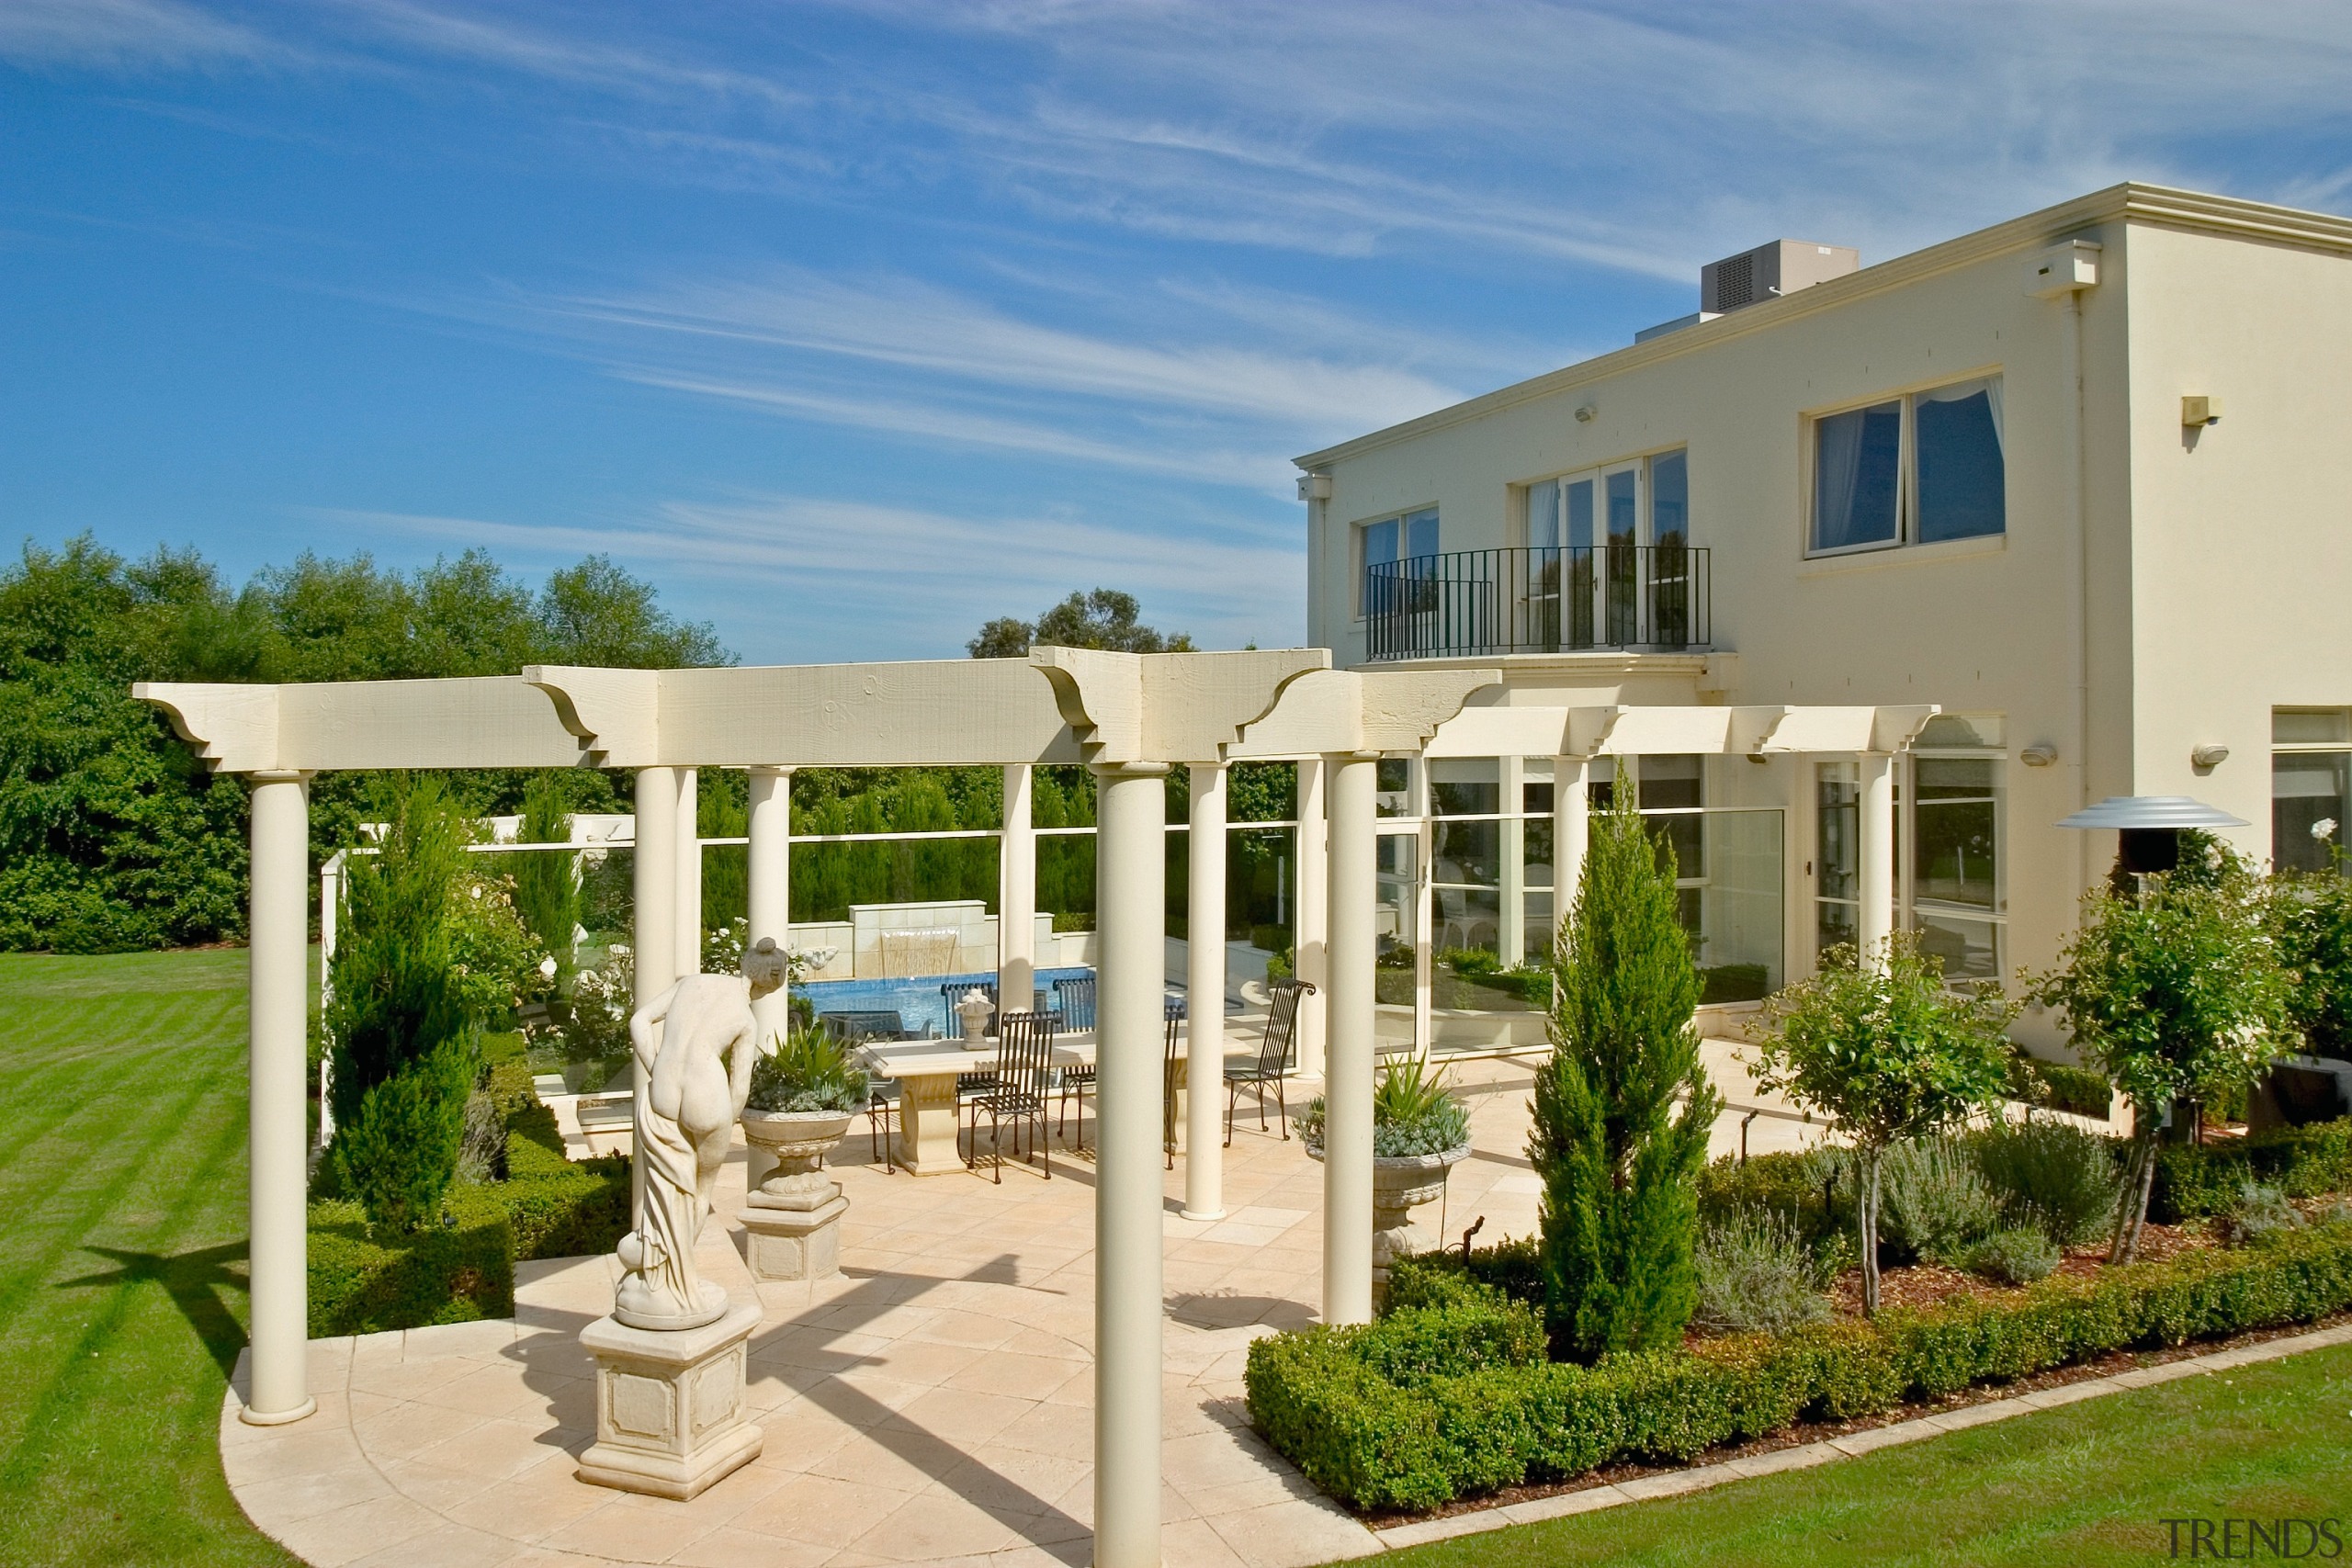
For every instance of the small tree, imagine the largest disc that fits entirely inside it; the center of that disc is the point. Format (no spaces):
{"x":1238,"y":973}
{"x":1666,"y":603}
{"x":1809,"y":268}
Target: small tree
{"x":547,"y":883}
{"x":1620,"y":1163}
{"x":404,"y":1042}
{"x":2312,"y":915}
{"x":1887,"y":1052}
{"x":2175,"y":992}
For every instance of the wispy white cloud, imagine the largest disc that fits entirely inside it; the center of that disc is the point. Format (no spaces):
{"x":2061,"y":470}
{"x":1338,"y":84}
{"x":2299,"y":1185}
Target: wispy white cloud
{"x":126,"y":34}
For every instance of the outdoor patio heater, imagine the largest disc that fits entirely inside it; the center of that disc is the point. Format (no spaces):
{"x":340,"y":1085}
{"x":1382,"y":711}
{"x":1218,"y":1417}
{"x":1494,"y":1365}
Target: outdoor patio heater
{"x":2148,"y":829}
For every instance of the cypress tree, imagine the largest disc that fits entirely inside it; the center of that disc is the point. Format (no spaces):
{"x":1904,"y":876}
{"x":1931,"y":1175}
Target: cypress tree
{"x":1620,"y":1164}
{"x":546,"y":885}
{"x":406,"y":1051}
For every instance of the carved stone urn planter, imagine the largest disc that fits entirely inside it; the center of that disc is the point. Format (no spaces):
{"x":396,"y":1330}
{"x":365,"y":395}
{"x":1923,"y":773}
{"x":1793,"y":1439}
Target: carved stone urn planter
{"x":1401,"y":1183}
{"x":794,"y":1216}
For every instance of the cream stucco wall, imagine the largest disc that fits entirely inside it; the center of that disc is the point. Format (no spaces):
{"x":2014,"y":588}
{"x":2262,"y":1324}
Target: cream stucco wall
{"x":2151,"y":593}
{"x":2242,"y":532}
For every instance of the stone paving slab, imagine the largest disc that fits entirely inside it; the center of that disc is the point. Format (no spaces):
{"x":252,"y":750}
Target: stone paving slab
{"x":931,"y":1405}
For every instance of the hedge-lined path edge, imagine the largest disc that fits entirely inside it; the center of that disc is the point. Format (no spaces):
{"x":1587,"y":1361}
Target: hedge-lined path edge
{"x":1853,"y":1445}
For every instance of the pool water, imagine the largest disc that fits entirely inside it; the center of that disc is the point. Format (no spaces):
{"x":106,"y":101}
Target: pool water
{"x":916,"y":1000}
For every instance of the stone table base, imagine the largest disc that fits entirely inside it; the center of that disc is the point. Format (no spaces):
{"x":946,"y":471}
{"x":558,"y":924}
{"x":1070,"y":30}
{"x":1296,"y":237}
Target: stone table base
{"x":670,"y":1405}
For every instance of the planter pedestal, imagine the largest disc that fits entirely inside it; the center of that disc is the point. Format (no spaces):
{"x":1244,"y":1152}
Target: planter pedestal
{"x":670,"y":1405}
{"x":1401,"y":1183}
{"x":793,"y":1219}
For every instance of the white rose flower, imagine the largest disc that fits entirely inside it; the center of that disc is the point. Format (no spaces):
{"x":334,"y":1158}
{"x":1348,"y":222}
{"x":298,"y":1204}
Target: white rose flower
{"x":2324,"y":828}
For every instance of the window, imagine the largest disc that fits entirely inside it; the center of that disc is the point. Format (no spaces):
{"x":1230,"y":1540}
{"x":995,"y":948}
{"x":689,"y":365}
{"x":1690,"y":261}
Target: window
{"x":1636,"y":586}
{"x":1953,"y":881}
{"x":2311,"y":786}
{"x":1911,"y":470}
{"x":1383,"y":544}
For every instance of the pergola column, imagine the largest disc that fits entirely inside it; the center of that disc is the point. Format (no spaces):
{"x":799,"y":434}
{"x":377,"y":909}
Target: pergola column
{"x":1310,"y":920}
{"x":279,"y":1130}
{"x":1016,"y":901}
{"x":1571,"y":832}
{"x":769,"y":901}
{"x":1348,"y":1046}
{"x":1131,"y":876}
{"x":1204,"y":986}
{"x":1875,"y":801}
{"x":685,"y":914}
{"x":654,"y":867}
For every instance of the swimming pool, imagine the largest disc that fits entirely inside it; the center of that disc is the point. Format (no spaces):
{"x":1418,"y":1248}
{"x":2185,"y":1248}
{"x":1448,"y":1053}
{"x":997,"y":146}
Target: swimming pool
{"x":916,"y":1000}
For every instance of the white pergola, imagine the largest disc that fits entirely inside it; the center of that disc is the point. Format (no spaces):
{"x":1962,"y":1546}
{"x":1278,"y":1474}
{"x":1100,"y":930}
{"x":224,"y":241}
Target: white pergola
{"x":1130,"y":719}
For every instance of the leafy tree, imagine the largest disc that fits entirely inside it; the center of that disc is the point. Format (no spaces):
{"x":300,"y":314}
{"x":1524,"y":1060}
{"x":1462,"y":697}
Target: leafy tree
{"x":1889,"y":1053}
{"x":2176,"y":992}
{"x":404,"y":1042}
{"x":1619,"y":1160}
{"x":1105,"y":618}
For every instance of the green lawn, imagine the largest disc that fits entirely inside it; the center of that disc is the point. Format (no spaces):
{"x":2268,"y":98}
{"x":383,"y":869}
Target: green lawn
{"x":123,"y":1284}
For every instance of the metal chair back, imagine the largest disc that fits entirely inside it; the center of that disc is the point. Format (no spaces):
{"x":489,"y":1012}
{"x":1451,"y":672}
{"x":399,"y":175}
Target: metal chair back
{"x":952,"y":994}
{"x":852,"y":1027}
{"x":1074,"y":999}
{"x":1025,"y":1054}
{"x":1281,"y":1025}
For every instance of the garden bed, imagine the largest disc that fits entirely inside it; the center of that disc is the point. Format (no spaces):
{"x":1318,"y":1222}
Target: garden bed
{"x":1449,"y":1396}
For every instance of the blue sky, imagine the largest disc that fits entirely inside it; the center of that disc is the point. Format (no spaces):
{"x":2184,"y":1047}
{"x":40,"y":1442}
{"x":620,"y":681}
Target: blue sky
{"x":853,"y":325}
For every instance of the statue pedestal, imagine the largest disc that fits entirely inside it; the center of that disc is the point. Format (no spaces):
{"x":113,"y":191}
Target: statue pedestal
{"x":795,"y":1235}
{"x":669,"y":1405}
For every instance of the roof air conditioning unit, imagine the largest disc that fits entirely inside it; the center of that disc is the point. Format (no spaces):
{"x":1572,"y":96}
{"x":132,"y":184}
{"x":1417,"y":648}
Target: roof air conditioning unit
{"x":1768,"y":271}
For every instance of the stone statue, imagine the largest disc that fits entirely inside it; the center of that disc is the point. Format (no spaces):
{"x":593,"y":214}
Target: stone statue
{"x":690,"y":1090}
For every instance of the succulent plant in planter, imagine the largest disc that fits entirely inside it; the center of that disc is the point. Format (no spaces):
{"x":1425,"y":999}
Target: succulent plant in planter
{"x":803,"y":1093}
{"x":1420,"y":1133}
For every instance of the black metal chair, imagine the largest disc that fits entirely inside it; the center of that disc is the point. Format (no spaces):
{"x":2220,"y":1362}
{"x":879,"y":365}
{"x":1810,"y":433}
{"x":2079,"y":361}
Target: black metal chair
{"x":952,"y":994}
{"x":1075,"y":1083}
{"x":1024,"y":1066}
{"x":881,"y":1104}
{"x":1168,"y":1082}
{"x":1272,"y":1066}
{"x":1074,"y":1001}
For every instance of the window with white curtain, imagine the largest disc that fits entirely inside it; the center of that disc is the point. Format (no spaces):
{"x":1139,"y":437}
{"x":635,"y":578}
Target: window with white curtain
{"x":1917,"y":470}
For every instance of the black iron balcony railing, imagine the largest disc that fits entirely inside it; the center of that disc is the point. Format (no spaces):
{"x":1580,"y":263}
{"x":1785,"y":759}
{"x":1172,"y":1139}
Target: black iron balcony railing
{"x":1552,"y":600}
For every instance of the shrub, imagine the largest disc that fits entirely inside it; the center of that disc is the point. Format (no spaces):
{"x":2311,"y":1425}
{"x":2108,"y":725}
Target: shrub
{"x":2261,"y":1213}
{"x":402,"y":1037}
{"x":1618,"y":1159}
{"x":807,"y":1071}
{"x":1320,"y":1397}
{"x":1757,"y":1274}
{"x":2078,"y":1092}
{"x":1883,"y":1048}
{"x":2015,"y":1255}
{"x":361,"y":1283}
{"x":1812,"y":1191}
{"x":481,"y":1147}
{"x":2059,"y":1179}
{"x":2174,"y":992}
{"x":1936,"y":1204}
{"x":2313,"y":916}
{"x":2193,"y":1180}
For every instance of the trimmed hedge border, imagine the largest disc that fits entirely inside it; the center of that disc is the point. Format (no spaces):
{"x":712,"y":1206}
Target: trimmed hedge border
{"x":1448,"y":1395}
{"x":2193,"y":1181}
{"x":547,"y":1206}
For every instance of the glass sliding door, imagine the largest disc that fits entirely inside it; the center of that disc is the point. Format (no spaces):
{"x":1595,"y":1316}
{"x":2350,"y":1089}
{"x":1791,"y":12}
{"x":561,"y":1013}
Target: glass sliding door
{"x":1837,"y":856}
{"x":1621,"y":495}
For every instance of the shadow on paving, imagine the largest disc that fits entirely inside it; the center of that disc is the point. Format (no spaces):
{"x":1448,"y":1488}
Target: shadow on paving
{"x":195,"y":1281}
{"x":1034,"y":1519}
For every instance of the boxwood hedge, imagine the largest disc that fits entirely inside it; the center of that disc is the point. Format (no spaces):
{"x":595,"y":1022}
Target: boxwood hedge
{"x":1449,"y":1396}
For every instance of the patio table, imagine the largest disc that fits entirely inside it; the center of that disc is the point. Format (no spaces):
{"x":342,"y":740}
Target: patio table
{"x":926,"y":1071}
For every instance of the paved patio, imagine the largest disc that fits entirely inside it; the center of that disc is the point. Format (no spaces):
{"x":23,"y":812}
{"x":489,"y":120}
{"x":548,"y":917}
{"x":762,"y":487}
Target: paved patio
{"x":931,"y":1405}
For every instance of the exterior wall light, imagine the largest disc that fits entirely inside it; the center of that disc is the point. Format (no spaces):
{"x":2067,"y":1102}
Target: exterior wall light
{"x":2209,"y":756}
{"x":2200,"y":411}
{"x":2039,"y":756}
{"x":1585,"y":413}
{"x":1314,"y":487}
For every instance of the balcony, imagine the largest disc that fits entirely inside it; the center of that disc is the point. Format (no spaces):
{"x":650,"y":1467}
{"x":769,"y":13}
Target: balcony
{"x":1653,"y":598}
